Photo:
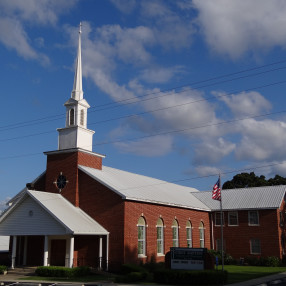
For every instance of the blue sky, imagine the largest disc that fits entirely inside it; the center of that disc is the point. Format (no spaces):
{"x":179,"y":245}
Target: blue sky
{"x":179,"y":90}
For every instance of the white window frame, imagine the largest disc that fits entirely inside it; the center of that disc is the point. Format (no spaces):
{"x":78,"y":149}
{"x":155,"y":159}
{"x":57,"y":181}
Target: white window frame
{"x":82,"y":117}
{"x":141,"y":227}
{"x":175,"y":233}
{"x":254,"y":241}
{"x":202,"y":234}
{"x":249,"y":218}
{"x":236,"y":214}
{"x":218,"y":215}
{"x":189,"y":234}
{"x":160,"y":237}
{"x":71,"y":117}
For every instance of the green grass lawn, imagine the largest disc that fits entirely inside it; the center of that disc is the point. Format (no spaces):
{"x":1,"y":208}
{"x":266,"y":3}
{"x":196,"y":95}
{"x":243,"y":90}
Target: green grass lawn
{"x":243,"y":273}
{"x":235,"y":274}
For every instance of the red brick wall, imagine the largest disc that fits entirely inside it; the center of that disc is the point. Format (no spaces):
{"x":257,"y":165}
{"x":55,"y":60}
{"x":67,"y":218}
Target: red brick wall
{"x":107,"y":208}
{"x":237,"y":238}
{"x":151,"y":213}
{"x":67,"y":163}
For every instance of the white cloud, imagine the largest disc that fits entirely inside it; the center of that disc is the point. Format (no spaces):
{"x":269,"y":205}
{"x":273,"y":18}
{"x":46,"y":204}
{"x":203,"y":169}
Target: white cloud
{"x":125,"y":6}
{"x":236,"y":27}
{"x":207,"y":170}
{"x":14,"y":15}
{"x":213,"y":151}
{"x":262,"y":140}
{"x":18,"y":40}
{"x":160,"y":75}
{"x":245,"y":103}
{"x":150,"y":147}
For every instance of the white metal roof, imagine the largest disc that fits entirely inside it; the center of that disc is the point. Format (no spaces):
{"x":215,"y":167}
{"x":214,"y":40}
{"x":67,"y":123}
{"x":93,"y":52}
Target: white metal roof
{"x":136,"y":187}
{"x":72,"y":218}
{"x":269,"y":197}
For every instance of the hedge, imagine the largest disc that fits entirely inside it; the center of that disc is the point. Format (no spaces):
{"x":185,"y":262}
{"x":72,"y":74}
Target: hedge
{"x":3,"y":268}
{"x":179,"y":277}
{"x":57,"y":271}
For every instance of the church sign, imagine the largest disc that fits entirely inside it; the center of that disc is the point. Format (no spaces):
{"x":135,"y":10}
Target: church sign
{"x":188,"y":258}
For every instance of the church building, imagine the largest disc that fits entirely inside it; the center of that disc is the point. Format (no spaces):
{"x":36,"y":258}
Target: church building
{"x":80,"y":212}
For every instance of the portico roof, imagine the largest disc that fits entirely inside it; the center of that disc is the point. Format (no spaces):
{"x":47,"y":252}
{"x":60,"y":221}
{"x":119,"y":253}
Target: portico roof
{"x":43,"y":213}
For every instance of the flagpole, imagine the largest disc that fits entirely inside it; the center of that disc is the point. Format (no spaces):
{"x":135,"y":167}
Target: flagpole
{"x":221,"y":225}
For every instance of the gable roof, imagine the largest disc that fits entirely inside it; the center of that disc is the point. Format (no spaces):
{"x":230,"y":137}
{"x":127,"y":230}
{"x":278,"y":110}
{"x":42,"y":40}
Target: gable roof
{"x":269,"y":197}
{"x":62,"y":211}
{"x":136,"y":187}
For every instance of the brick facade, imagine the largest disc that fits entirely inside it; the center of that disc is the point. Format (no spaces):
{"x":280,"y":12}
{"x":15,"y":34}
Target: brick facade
{"x":120,"y":218}
{"x":237,"y":238}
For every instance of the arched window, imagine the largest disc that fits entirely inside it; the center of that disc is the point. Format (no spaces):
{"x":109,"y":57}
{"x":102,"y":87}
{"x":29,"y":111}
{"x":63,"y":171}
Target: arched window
{"x":82,"y":117}
{"x":141,"y":236}
{"x":72,"y":116}
{"x":175,"y":231}
{"x":189,"y":234}
{"x":160,"y":236}
{"x":202,"y":234}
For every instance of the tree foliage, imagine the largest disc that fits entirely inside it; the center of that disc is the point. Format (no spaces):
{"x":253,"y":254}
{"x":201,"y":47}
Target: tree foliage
{"x":248,"y":180}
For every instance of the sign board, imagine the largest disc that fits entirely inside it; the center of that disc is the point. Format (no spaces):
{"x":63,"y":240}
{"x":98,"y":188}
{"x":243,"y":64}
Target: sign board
{"x":188,"y":258}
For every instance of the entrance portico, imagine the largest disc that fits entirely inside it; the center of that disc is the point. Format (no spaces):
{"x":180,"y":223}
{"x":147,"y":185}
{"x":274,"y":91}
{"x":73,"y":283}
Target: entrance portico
{"x":47,"y":230}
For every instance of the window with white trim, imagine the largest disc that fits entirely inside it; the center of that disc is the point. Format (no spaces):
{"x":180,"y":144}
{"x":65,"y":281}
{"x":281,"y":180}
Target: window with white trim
{"x":141,"y":226}
{"x":82,"y":117}
{"x":72,"y":116}
{"x":160,"y":236}
{"x":218,"y":218}
{"x":175,"y":232}
{"x":189,"y":234}
{"x":202,"y":234}
{"x":253,"y":218}
{"x":232,"y":218}
{"x":255,"y":247}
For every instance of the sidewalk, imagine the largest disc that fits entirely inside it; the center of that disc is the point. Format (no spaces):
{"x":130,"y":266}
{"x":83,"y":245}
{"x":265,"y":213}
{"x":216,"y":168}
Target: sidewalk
{"x":14,"y":278}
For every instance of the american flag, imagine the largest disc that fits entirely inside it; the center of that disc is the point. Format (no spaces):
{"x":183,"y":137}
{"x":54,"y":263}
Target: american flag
{"x":216,"y":191}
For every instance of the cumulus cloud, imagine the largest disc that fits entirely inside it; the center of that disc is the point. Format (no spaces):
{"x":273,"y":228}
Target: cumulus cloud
{"x":14,"y":15}
{"x":207,"y":170}
{"x":159,"y":74}
{"x":212,"y":151}
{"x":262,"y":140}
{"x":245,"y":103}
{"x":235,"y":27}
{"x":153,"y":146}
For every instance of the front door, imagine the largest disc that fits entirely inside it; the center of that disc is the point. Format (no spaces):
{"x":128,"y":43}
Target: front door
{"x":58,"y":252}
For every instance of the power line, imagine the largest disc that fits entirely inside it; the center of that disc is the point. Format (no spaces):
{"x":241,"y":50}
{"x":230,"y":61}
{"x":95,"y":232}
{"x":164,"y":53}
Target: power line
{"x":160,"y":109}
{"x":135,"y":100}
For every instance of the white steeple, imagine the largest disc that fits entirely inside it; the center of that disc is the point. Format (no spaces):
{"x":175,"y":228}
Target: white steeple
{"x":77,"y":92}
{"x":75,"y":134}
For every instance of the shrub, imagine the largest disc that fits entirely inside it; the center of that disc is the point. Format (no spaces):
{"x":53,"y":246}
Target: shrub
{"x":3,"y":268}
{"x":57,"y":271}
{"x":131,"y":277}
{"x":271,"y":261}
{"x":128,"y":268}
{"x":228,"y":259}
{"x":207,"y":277}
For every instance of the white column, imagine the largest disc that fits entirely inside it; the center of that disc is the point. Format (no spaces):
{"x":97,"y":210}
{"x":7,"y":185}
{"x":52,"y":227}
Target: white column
{"x":107,"y":248}
{"x":14,"y":248}
{"x":46,"y":250}
{"x":25,"y":250}
{"x":71,"y":252}
{"x":100,"y":252}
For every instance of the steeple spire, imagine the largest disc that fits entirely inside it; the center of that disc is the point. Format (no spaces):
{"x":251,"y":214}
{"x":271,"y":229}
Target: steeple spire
{"x":77,"y":92}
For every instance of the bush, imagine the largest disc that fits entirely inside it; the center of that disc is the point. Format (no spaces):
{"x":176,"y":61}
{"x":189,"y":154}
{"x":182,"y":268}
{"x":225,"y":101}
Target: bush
{"x":228,"y":259}
{"x":131,"y":277}
{"x":3,"y":268}
{"x":204,"y":277}
{"x":128,"y":268}
{"x":57,"y":271}
{"x":271,"y":261}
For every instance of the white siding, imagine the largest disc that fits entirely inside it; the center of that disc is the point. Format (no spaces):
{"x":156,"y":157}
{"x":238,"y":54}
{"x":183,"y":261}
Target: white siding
{"x":29,"y":218}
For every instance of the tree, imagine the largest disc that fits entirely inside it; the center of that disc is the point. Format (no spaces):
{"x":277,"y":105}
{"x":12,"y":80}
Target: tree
{"x":248,"y":180}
